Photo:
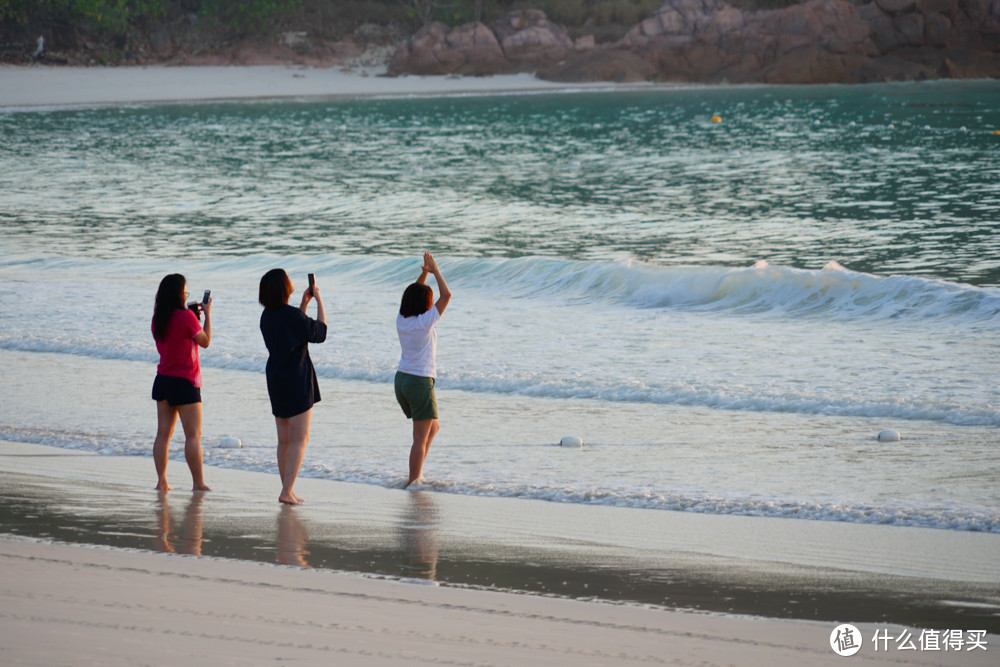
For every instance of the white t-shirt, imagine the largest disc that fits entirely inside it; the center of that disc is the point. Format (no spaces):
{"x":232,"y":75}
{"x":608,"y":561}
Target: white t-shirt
{"x":418,"y":339}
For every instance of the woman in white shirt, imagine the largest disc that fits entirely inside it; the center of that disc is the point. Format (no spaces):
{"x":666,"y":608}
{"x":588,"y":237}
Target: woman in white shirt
{"x":418,"y":315}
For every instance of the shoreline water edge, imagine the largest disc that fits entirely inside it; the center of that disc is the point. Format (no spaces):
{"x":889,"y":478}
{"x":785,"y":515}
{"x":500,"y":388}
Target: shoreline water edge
{"x":45,"y":86}
{"x":97,"y":563}
{"x":670,"y":568}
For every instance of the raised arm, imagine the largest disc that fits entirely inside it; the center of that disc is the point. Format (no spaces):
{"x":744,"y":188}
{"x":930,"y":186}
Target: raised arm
{"x":444,"y":294}
{"x":204,"y":336}
{"x":310,"y":294}
{"x":320,"y":309}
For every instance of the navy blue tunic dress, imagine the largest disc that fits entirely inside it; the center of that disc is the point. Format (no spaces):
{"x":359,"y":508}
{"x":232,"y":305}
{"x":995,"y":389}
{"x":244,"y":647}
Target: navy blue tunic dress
{"x":291,"y":378}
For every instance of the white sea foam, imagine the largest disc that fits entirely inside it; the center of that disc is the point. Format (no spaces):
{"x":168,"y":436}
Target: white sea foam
{"x":725,"y":315}
{"x":831,"y":291}
{"x":948,"y":516}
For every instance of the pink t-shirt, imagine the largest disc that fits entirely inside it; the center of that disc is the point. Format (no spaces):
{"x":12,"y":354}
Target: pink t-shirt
{"x":179,"y":352}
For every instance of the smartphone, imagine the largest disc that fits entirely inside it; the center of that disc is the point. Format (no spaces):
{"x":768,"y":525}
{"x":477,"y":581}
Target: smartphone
{"x":208,"y":293}
{"x":312,"y":280}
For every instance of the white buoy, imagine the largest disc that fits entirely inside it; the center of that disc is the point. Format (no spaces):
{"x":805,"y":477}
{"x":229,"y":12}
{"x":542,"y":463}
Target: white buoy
{"x":888,"y":435}
{"x":571,"y":441}
{"x":230,"y":443}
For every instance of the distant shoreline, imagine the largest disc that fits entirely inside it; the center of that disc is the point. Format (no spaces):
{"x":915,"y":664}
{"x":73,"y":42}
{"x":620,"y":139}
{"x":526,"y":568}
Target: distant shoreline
{"x":34,"y":86}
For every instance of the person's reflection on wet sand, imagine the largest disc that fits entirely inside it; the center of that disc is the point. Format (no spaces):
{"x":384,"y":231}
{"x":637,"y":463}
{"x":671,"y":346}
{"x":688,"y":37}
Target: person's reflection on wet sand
{"x":190,"y":538}
{"x":419,"y":532}
{"x":293,"y":540}
{"x":162,"y":537}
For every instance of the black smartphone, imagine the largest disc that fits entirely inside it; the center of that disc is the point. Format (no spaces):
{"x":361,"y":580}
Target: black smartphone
{"x":312,"y":281}
{"x":205,"y":298}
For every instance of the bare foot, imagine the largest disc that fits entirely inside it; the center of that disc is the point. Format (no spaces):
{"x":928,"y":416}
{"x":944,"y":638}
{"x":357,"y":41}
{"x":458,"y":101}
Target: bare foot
{"x":290,"y":499}
{"x":201,"y":487}
{"x":163,"y":486}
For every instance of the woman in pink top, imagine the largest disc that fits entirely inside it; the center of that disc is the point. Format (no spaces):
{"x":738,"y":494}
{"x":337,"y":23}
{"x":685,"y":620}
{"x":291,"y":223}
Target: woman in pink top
{"x":177,"y":387}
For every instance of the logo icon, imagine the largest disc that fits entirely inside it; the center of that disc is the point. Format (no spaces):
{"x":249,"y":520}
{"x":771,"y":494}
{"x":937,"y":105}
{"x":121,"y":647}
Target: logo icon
{"x":845,"y":640}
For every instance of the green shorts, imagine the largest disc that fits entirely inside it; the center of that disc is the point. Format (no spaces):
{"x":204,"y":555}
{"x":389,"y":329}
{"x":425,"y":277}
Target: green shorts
{"x":416,"y":396}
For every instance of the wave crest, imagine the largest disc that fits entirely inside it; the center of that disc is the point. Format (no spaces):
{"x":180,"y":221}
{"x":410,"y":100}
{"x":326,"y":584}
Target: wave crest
{"x":832,"y":291}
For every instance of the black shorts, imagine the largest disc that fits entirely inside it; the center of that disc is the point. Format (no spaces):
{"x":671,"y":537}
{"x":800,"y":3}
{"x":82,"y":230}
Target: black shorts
{"x":175,"y":391}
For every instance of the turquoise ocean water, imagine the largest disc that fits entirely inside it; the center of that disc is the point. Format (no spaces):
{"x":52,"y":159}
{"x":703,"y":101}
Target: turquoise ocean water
{"x":727,"y":313}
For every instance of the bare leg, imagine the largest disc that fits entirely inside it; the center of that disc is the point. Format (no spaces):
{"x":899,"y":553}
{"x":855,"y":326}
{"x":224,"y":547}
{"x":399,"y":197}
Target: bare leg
{"x":284,"y":442}
{"x":191,"y":421}
{"x":295,"y":437}
{"x":282,"y":425}
{"x":424,"y":431}
{"x":166,"y":418}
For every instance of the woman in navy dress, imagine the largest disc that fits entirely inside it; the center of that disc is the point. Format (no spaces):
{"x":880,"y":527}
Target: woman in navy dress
{"x":291,"y":378}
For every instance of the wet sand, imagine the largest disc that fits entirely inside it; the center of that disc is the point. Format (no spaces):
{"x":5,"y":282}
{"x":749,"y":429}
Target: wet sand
{"x":385,"y":575}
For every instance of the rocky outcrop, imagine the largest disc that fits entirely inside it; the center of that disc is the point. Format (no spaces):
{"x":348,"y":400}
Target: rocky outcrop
{"x":529,"y":39}
{"x":522,"y":41}
{"x":436,"y":49}
{"x":819,"y":41}
{"x":708,"y":40}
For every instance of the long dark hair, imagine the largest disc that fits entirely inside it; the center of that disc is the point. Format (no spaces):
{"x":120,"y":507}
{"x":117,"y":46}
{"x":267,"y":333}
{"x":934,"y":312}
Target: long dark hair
{"x":417,"y":300}
{"x":275,"y":288}
{"x":169,"y":297}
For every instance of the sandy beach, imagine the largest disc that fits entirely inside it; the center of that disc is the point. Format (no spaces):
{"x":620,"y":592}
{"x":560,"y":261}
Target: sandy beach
{"x":98,"y":564}
{"x":57,"y":86}
{"x":65,"y":602}
{"x":100,"y":569}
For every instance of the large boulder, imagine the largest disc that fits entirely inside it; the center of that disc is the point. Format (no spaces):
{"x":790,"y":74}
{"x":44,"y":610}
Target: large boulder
{"x":529,"y":39}
{"x":522,"y":41}
{"x":437,"y":49}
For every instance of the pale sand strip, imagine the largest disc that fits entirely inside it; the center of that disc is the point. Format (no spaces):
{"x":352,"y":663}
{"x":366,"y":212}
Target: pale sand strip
{"x":65,"y":604}
{"x":71,"y":605}
{"x":56,"y":86}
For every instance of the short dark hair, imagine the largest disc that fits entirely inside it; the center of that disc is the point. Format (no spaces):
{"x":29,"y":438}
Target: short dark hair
{"x":417,"y":300}
{"x":275,"y":288}
{"x":169,"y":297}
